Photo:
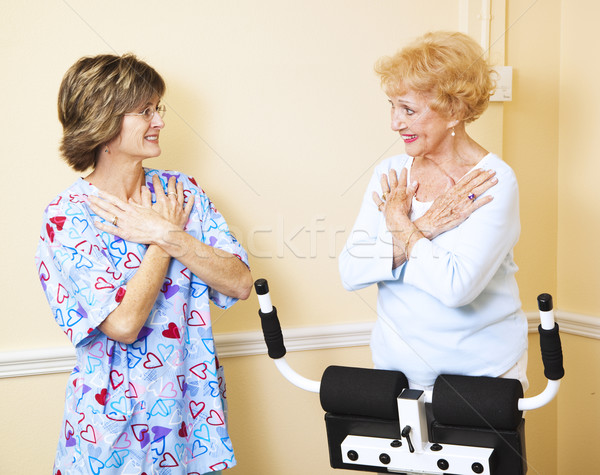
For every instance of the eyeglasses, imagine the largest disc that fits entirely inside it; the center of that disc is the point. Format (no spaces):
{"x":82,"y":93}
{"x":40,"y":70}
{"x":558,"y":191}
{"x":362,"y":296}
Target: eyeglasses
{"x":148,"y":112}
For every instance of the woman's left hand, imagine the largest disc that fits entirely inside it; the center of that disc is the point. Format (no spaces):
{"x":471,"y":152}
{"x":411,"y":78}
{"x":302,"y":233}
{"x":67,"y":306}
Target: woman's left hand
{"x":453,"y":207}
{"x":395,"y":201}
{"x":142,"y":221}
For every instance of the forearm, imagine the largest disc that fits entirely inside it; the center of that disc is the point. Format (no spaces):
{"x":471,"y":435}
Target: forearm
{"x":423,"y":227}
{"x":220,"y":270}
{"x":370,"y":256}
{"x":404,"y":234}
{"x":126,"y":321}
{"x":427,"y":229}
{"x":400,"y":256}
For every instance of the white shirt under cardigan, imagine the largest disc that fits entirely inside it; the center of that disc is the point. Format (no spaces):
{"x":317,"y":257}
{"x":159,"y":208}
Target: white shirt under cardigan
{"x":454,"y":307}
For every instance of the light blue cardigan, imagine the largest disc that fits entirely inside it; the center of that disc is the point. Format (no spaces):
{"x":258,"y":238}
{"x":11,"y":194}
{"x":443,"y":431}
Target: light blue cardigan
{"x":454,"y":307}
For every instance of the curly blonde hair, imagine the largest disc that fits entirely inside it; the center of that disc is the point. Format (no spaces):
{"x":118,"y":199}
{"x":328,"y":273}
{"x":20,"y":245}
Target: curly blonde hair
{"x":449,"y":66}
{"x":93,"y":96}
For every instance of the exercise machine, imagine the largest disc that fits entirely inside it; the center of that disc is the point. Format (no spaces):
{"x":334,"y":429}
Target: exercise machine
{"x":465,"y":425}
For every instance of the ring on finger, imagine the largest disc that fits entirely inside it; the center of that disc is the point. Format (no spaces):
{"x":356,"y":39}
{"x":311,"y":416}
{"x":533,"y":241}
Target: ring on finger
{"x":384,"y":196}
{"x":471,"y":196}
{"x":115,"y":220}
{"x":172,"y":193}
{"x":380,"y":206}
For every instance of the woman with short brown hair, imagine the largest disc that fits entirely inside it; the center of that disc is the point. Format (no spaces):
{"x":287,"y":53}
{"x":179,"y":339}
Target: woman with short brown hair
{"x":129,"y":258}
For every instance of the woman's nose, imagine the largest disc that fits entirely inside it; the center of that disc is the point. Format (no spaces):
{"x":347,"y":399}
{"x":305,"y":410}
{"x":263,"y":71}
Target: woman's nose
{"x":157,"y":122}
{"x":397,"y":123}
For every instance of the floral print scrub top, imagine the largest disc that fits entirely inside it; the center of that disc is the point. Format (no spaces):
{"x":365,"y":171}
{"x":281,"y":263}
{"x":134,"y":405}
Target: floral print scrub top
{"x":156,"y":406}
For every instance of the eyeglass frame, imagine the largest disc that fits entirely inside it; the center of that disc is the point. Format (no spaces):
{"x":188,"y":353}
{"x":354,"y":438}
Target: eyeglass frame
{"x":161,"y":109}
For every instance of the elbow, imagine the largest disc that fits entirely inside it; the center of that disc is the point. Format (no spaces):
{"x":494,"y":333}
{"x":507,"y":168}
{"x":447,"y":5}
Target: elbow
{"x":344,"y":270}
{"x":454,"y":303}
{"x":350,"y":287}
{"x":127,"y":336}
{"x":128,"y":339}
{"x":346,"y":284}
{"x":244,"y":292}
{"x":349,"y":277}
{"x":121,"y":325}
{"x":120,"y":334}
{"x":129,"y":333}
{"x":456,"y":298}
{"x":244,"y":289}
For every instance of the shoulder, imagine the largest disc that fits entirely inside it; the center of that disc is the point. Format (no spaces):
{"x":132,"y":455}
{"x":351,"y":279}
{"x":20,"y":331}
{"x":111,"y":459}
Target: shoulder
{"x":71,"y":200}
{"x":67,"y":221}
{"x":395,"y":162}
{"x":503,"y":170}
{"x":506,"y":190}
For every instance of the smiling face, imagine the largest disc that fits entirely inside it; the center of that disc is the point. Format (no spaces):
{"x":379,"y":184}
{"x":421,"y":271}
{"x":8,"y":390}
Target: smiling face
{"x":139,"y":137}
{"x":424,"y":131}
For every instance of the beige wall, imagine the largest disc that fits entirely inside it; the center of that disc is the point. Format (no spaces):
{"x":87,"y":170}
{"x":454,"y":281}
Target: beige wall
{"x":531,"y":148}
{"x":274,"y":108}
{"x":579,"y":225}
{"x":531,"y":139}
{"x":579,"y":167}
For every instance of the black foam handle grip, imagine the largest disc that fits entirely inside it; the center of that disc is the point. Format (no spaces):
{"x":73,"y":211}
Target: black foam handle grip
{"x":270,"y":324}
{"x":552,"y":356}
{"x":272,"y":333}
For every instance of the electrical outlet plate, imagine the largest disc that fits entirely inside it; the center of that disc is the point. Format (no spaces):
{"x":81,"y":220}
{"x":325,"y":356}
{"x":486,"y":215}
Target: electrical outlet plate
{"x":504,"y":84}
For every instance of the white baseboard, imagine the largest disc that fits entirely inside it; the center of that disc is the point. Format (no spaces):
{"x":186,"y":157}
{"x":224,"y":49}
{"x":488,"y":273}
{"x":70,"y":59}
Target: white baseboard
{"x":41,"y":361}
{"x":580,"y":325}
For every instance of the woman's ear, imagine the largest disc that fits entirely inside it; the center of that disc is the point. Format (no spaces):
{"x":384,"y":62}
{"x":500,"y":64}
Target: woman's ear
{"x":453,"y":123}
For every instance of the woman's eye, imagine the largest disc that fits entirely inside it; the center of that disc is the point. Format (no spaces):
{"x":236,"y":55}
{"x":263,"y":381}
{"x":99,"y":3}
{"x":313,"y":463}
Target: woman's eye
{"x":409,"y":111}
{"x":148,"y":112}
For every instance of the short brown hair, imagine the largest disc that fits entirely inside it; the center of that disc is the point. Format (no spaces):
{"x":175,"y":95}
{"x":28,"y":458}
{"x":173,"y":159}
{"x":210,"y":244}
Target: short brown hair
{"x":94,"y":94}
{"x":448,"y":65}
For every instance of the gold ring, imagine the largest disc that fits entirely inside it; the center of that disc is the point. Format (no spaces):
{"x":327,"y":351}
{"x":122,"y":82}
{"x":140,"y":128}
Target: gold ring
{"x":114,"y":221}
{"x":384,"y":196}
{"x":172,"y":193}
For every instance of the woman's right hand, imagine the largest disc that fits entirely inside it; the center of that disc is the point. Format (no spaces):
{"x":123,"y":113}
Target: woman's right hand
{"x":396,"y":198}
{"x":141,"y":221}
{"x":170,"y":205}
{"x":457,"y":204}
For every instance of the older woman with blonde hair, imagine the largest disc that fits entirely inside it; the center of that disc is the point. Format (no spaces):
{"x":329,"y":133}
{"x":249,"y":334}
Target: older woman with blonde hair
{"x":129,"y":258}
{"x":438,"y":224}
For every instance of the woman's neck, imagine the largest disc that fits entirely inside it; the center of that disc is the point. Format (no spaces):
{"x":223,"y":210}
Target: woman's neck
{"x":460,"y":155}
{"x":122,"y":179}
{"x":436,"y":172}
